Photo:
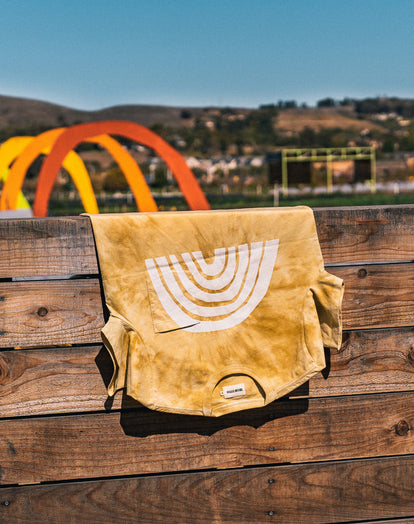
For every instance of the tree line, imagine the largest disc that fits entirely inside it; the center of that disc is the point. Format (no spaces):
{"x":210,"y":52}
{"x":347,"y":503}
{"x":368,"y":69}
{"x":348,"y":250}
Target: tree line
{"x":232,"y":131}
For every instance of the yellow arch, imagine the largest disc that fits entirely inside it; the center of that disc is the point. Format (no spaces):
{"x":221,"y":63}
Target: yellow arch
{"x":14,"y":182}
{"x":80,"y":176}
{"x":9,"y":150}
{"x":43,"y":144}
{"x":16,"y":146}
{"x":22,"y":202}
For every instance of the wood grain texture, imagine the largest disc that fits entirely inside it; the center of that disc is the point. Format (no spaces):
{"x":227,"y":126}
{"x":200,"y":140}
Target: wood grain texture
{"x":65,"y":246}
{"x":54,"y":313}
{"x":408,"y":520}
{"x":140,"y":441}
{"x":46,"y":246}
{"x":305,"y":494}
{"x":56,"y":380}
{"x":366,"y":234}
{"x":74,"y":379}
{"x":368,"y":362}
{"x":376,"y":296}
{"x":360,"y":408}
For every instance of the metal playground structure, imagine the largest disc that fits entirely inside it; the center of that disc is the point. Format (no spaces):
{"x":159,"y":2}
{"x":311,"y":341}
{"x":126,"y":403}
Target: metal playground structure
{"x":279,"y":162}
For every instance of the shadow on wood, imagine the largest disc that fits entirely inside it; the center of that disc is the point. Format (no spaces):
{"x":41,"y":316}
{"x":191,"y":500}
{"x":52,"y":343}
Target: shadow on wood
{"x":142,"y":422}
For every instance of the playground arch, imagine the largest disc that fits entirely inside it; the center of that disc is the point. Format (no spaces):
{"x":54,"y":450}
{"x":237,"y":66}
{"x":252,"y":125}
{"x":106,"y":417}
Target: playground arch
{"x":131,"y":170}
{"x":44,"y":143}
{"x":17,"y":173}
{"x":70,"y":137}
{"x":14,"y":147}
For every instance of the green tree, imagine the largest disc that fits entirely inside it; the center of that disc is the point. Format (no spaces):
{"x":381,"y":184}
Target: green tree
{"x":326,"y":102}
{"x":388,"y":145}
{"x":115,"y":180}
{"x":160,"y":177}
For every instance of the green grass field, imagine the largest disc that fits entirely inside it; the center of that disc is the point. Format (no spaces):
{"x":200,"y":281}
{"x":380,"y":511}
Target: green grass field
{"x":168,"y":203}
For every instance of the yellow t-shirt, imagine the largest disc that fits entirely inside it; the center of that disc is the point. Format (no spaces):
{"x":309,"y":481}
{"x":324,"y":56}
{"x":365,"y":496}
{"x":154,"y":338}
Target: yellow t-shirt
{"x":215,"y":311}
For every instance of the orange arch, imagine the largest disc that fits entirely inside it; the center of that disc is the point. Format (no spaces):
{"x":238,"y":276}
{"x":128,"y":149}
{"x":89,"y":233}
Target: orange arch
{"x":44,"y":142}
{"x":72,"y":136}
{"x":131,"y":170}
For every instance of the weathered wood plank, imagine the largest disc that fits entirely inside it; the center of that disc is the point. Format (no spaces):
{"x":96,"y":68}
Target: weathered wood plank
{"x":53,"y":313}
{"x":376,"y":296}
{"x":366,"y":234}
{"x":65,"y":246}
{"x":63,"y":380}
{"x":408,"y":520}
{"x":304,"y":494}
{"x":41,"y":247}
{"x":141,"y":441}
{"x":368,"y":362}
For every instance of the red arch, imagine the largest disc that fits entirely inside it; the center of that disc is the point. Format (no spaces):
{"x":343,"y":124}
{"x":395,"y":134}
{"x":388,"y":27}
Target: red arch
{"x":72,"y":136}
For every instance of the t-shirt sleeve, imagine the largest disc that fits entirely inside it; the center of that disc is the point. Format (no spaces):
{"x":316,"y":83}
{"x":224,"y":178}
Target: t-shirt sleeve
{"x":328,"y":293}
{"x":116,"y":340}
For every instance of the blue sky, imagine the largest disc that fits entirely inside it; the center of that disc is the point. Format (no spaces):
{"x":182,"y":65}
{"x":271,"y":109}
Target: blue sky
{"x":90,"y":54}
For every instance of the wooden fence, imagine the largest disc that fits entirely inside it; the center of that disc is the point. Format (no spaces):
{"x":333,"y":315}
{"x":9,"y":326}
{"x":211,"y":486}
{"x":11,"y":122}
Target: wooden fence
{"x":338,"y":449}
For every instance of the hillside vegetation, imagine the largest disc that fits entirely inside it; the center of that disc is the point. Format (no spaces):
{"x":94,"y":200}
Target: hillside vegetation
{"x":226,"y":147}
{"x":386,"y":123}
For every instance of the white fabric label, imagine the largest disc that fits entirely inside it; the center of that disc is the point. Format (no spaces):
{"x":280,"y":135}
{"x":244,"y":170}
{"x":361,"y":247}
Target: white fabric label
{"x":233,"y":391}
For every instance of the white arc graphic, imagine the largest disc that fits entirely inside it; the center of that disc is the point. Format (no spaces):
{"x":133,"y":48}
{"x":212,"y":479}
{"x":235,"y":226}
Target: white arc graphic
{"x":225,"y":278}
{"x":216,"y":266}
{"x":235,"y":289}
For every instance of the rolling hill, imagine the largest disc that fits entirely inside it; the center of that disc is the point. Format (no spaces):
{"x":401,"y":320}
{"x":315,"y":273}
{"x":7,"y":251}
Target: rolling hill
{"x":18,"y":114}
{"x":21,"y":113}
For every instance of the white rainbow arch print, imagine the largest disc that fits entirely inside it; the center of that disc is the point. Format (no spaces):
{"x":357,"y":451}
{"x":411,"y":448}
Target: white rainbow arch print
{"x":238,"y":280}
